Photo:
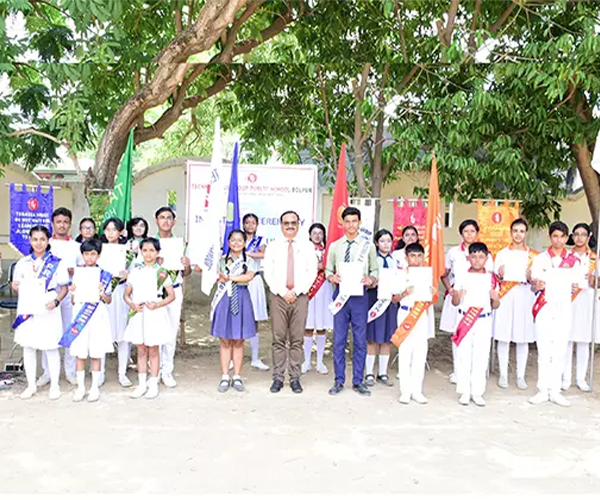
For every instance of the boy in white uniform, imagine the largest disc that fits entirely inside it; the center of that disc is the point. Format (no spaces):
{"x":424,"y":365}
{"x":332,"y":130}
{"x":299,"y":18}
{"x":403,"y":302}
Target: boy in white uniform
{"x":513,"y":321}
{"x":552,"y":319}
{"x":474,"y":329}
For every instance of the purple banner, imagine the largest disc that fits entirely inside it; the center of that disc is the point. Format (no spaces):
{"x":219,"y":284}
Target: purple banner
{"x":28,"y":209}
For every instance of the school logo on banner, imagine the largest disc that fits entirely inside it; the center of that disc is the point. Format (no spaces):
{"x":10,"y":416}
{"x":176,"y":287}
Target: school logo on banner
{"x":28,"y":209}
{"x":494,"y":218}
{"x":409,"y":213}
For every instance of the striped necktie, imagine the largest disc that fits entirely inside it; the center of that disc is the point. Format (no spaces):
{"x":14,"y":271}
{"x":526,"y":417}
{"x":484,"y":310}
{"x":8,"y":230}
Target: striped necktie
{"x":234,"y":302}
{"x":347,"y":254}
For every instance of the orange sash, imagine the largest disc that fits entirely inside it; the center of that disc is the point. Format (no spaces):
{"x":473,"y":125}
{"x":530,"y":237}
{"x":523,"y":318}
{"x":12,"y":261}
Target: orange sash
{"x":466,"y":323}
{"x":507,"y":286}
{"x":409,"y":323}
{"x":317,"y":284}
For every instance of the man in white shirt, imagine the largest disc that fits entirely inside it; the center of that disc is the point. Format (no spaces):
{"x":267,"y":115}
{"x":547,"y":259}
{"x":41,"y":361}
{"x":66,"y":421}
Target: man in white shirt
{"x":290,"y":268}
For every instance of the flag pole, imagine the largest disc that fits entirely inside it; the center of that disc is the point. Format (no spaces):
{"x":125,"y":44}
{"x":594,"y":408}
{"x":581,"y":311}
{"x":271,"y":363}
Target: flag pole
{"x":594,"y":308}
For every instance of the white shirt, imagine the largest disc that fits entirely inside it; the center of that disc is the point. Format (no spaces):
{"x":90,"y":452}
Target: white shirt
{"x":544,"y":261}
{"x":456,"y":261}
{"x":68,"y":251}
{"x":275,"y":265}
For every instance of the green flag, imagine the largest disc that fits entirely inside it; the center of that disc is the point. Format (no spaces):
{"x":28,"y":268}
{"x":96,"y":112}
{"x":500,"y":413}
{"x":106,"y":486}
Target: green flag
{"x":120,"y":200}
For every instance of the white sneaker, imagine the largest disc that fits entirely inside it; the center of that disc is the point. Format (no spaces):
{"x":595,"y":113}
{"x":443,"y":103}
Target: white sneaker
{"x":43,"y":380}
{"x":169,"y":381}
{"x":54,"y":393}
{"x":94,"y":395}
{"x":464,"y":399}
{"x":138,"y":392}
{"x":521,"y":384}
{"x":565,"y":386}
{"x":322,"y":369}
{"x":539,"y":398}
{"x":259,"y":365}
{"x":452,"y":378}
{"x":404,"y":399}
{"x":78,"y":395}
{"x":152,"y":391}
{"x":71,"y":379}
{"x":419,"y":398}
{"x":124,"y":381}
{"x":28,"y":393}
{"x":101,"y":380}
{"x":305,"y":367}
{"x":584,"y":386}
{"x":503,"y":382}
{"x":560,"y":400}
{"x":478,"y":400}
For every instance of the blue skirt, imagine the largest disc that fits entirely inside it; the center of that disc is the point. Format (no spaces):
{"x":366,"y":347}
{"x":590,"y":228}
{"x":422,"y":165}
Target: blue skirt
{"x":234,"y":326}
{"x":381,"y":330}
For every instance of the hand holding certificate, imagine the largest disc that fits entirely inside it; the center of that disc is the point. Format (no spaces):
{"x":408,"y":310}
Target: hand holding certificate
{"x":87,"y":284}
{"x":391,"y":282}
{"x":113,"y":258}
{"x":146,"y":286}
{"x":478,"y":287}
{"x":171,"y":251}
{"x":421,"y":279}
{"x":558,"y":284}
{"x":32,"y":297}
{"x":351,"y":274}
{"x":515,"y":267}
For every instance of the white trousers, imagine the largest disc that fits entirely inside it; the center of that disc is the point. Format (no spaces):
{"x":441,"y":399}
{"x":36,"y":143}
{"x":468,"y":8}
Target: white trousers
{"x":472,"y":358}
{"x":412,"y":355}
{"x":522,"y":351}
{"x":583,"y":357}
{"x":552,"y":326}
{"x":167,"y":351}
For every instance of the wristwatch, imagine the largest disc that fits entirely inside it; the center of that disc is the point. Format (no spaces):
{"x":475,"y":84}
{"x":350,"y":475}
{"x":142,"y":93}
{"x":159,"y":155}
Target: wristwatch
{"x":56,"y":302}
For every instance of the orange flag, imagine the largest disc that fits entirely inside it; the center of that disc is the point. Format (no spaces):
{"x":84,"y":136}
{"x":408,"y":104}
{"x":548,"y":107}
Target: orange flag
{"x":434,"y":244}
{"x":340,"y":201}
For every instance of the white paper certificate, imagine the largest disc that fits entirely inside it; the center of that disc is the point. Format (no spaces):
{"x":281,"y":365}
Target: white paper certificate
{"x":515,"y":267}
{"x":87,"y":284}
{"x":171,"y":250}
{"x":558,"y":284}
{"x":32,"y":297}
{"x":113,"y":258}
{"x":351,"y":275}
{"x":145,"y":287}
{"x":391,"y":282}
{"x":421,"y":279}
{"x":478,"y":286}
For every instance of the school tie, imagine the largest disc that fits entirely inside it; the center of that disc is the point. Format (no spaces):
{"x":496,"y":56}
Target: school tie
{"x":347,"y":254}
{"x":289,"y":283}
{"x":385,"y":262}
{"x":234,"y":302}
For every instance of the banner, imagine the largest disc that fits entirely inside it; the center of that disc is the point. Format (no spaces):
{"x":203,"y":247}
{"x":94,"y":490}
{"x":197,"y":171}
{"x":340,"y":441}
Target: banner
{"x":232,"y":219}
{"x":409,"y":213}
{"x":494,"y":219}
{"x":434,"y":231}
{"x":335,"y":228}
{"x":28,"y":209}
{"x":120,"y":198}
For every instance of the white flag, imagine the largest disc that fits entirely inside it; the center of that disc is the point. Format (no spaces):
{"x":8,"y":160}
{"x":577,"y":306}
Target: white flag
{"x":215,"y":211}
{"x":596,"y":155}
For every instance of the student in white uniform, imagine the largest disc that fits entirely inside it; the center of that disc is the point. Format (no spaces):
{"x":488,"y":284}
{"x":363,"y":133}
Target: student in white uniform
{"x":457,"y":263}
{"x":414,"y":325}
{"x":41,"y":331}
{"x":87,"y":231}
{"x":410,"y":234}
{"x":473,"y":333}
{"x":581,"y":324}
{"x":255,"y":249}
{"x":150,"y":325}
{"x":319,"y":316}
{"x":137,"y":230}
{"x":94,"y":339}
{"x":552,"y":319}
{"x":513,"y":321}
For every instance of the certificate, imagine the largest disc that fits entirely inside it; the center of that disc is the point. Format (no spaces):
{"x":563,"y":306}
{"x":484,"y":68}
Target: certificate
{"x":391,"y":282}
{"x":421,"y":279}
{"x":145,"y":286}
{"x":32,"y":297}
{"x":351,"y":276}
{"x":171,"y":251}
{"x":558,"y":284}
{"x":113,"y":258}
{"x":478,"y":287}
{"x":515,"y":267}
{"x":87,"y":284}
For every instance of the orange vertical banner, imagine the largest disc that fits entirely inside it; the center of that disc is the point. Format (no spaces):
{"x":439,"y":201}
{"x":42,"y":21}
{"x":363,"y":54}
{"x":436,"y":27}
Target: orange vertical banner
{"x":494,"y":223}
{"x":434,"y":243}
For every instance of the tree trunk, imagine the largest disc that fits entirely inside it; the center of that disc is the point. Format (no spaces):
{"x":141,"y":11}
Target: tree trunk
{"x":590,"y":179}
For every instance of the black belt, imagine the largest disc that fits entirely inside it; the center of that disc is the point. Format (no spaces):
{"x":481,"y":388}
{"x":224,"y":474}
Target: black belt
{"x":406,"y":308}
{"x":177,"y":285}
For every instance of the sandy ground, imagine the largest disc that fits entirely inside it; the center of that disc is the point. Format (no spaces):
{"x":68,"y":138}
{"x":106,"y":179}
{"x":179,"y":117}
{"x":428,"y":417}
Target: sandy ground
{"x":194,"y":440}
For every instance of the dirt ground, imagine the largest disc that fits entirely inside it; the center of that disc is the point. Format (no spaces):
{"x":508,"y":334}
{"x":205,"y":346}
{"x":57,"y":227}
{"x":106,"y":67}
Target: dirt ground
{"x":192,"y":439}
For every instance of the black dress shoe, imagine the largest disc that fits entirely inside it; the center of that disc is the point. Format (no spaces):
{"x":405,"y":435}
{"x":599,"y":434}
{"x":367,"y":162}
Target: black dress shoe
{"x":296,"y":387}
{"x":276,"y":386}
{"x":361,"y":389}
{"x":336,"y":389}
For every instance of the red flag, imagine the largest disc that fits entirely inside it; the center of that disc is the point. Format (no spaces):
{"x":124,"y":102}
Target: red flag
{"x":340,"y":201}
{"x":434,"y":244}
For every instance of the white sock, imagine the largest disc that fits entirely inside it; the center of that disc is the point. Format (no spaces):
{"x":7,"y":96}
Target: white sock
{"x":370,"y":364}
{"x":102,"y":365}
{"x":321,"y":339}
{"x":237,"y":377}
{"x":503,"y":348}
{"x":254,"y":342}
{"x":383,"y":363}
{"x":153,"y":381}
{"x":308,"y":343}
{"x":583,"y":357}
{"x":142,"y":379}
{"x":30,"y":362}
{"x":123,"y":352}
{"x":522,"y":355}
{"x":54,"y":366}
{"x":80,"y":375}
{"x":225,"y":376}
{"x":96,"y":380}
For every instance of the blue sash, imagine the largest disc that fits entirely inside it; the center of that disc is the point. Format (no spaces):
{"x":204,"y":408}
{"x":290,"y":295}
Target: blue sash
{"x":48,"y":269}
{"x":84,"y":315}
{"x":254,"y":244}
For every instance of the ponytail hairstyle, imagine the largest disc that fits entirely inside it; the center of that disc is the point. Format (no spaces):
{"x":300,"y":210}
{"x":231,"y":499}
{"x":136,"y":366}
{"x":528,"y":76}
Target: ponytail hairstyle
{"x":318,"y":225}
{"x":40,"y":229}
{"x":591,"y":240}
{"x":227,"y":255}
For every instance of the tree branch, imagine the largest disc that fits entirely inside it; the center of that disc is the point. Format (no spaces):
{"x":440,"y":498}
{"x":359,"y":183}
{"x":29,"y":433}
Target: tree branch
{"x":402,"y":35}
{"x":502,"y":19}
{"x":178,"y":20}
{"x":472,"y":42}
{"x":227,"y":52}
{"x":326,"y":109}
{"x":190,"y":11}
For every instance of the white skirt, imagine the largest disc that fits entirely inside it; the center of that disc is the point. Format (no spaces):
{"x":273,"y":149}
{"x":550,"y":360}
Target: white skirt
{"x":95,"y":340}
{"x":149,"y":328}
{"x":319,"y":316}
{"x":449,"y":318}
{"x":513,"y":320}
{"x":256,"y":288}
{"x":41,"y":331}
{"x":581,"y":321}
{"x":118,"y":312}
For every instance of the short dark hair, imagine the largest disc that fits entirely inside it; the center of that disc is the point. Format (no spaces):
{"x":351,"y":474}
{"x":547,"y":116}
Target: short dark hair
{"x":350,"y":211}
{"x":318,"y":225}
{"x":379,"y":234}
{"x":466,"y":223}
{"x":582,"y":225}
{"x":249,"y":216}
{"x":152,"y":241}
{"x":40,"y":229}
{"x":237,"y":231}
{"x":134,"y":222}
{"x":62,"y":211}
{"x":91,"y":245}
{"x":164,"y":209}
{"x":414,"y":248}
{"x":119,"y":225}
{"x":558,"y":225}
{"x":477,"y":247}
{"x":519,"y":222}
{"x":79,"y":238}
{"x":288,"y":212}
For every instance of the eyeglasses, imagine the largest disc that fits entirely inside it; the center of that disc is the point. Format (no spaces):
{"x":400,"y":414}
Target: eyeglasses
{"x":167,"y":217}
{"x":289,"y":223}
{"x":87,"y":228}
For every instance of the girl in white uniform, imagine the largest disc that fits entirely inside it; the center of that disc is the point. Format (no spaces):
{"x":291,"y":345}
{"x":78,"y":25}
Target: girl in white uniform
{"x":41,"y":331}
{"x":410,"y":234}
{"x":581,"y":323}
{"x":149,"y":326}
{"x":94,"y":339}
{"x":457,"y":263}
{"x":319,"y":316}
{"x":137,"y":230}
{"x":255,"y":249}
